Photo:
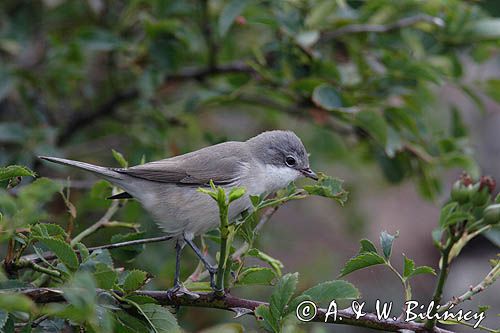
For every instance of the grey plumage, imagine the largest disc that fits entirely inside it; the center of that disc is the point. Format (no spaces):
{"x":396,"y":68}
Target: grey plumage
{"x":167,"y":188}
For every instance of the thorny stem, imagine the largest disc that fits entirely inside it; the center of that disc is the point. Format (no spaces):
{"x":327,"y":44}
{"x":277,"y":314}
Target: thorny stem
{"x":246,"y":306}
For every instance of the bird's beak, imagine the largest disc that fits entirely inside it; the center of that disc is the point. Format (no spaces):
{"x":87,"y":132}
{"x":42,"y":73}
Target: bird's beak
{"x":307,"y":172}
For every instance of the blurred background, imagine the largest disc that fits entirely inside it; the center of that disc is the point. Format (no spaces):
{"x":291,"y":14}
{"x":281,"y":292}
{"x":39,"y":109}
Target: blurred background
{"x":394,"y":97}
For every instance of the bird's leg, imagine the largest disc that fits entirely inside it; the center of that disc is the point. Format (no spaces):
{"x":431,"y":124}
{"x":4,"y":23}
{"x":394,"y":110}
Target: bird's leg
{"x":178,"y":249}
{"x":212,"y":269}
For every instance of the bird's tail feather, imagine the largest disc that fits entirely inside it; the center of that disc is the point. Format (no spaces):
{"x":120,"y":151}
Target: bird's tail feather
{"x":106,"y":173}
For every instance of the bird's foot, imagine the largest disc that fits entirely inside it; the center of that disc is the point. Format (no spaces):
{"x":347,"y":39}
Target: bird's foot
{"x":180,"y":291}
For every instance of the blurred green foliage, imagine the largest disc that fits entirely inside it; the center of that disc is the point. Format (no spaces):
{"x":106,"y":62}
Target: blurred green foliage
{"x":357,"y":80}
{"x":365,"y":73}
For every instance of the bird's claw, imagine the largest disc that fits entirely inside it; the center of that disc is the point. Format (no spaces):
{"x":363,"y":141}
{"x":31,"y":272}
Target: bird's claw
{"x":181,"y":291}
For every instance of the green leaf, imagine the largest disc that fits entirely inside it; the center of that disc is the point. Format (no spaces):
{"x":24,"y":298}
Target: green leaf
{"x":125,"y":323}
{"x":13,"y":171}
{"x":11,"y":302}
{"x":104,"y":276}
{"x":341,"y":291}
{"x":141,"y":299}
{"x":236,"y":193}
{"x":361,"y":261}
{"x":229,"y":13}
{"x":450,"y":215}
{"x":48,"y":230}
{"x":282,"y":294}
{"x":80,"y":292}
{"x":161,"y":320}
{"x":120,"y":159}
{"x":62,"y":250}
{"x":127,"y":253}
{"x":374,"y":124}
{"x":83,"y":251}
{"x":328,"y":187}
{"x":423,"y":270}
{"x":408,"y":267}
{"x":327,"y":97}
{"x":134,"y":280}
{"x":386,"y":241}
{"x":367,"y":246}
{"x":256,"y":275}
{"x":275,"y":264}
{"x":265,"y":319}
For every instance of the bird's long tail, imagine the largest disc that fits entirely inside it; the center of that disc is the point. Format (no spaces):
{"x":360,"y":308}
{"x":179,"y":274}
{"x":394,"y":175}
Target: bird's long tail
{"x":104,"y":172}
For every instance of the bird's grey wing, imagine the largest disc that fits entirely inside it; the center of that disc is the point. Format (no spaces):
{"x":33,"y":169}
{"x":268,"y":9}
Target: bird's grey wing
{"x":221,"y":163}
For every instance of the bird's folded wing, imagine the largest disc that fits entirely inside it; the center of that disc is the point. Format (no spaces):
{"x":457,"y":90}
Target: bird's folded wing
{"x":196,"y":169}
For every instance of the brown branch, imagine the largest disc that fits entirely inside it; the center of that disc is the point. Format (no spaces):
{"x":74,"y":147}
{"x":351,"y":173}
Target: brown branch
{"x":245,"y":306}
{"x":376,"y":28}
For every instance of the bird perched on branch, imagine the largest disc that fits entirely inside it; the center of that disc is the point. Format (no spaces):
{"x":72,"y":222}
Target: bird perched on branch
{"x":168,"y":188}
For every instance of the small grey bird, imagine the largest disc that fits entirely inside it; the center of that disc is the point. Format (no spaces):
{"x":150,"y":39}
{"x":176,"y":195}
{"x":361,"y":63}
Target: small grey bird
{"x":167,"y":188}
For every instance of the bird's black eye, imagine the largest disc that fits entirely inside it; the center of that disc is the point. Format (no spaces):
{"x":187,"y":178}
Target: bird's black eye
{"x":290,"y":161}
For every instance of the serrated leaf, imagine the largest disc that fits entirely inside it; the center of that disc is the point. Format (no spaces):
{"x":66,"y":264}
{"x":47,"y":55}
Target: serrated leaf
{"x":386,"y":241}
{"x":408,"y":267}
{"x":48,"y":230}
{"x":104,"y":276}
{"x":265,"y":319}
{"x":127,"y":253}
{"x":328,"y":187}
{"x":62,"y":250}
{"x":446,"y":211}
{"x":229,"y":13}
{"x":423,"y":270}
{"x":13,"y":171}
{"x":367,"y":246}
{"x":120,"y":159}
{"x":256,"y":275}
{"x":341,"y":291}
{"x":282,"y":294}
{"x":83,"y":251}
{"x":125,"y":323}
{"x":134,"y":280}
{"x":327,"y":97}
{"x":361,"y":261}
{"x":161,"y":320}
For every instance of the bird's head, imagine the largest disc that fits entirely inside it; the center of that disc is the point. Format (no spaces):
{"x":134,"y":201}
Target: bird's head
{"x":283,"y":150}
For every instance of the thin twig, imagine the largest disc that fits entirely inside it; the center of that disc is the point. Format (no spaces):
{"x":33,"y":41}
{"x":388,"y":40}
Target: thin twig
{"x":113,"y":208}
{"x":49,"y":255}
{"x":490,"y":278}
{"x":381,"y":28}
{"x":266,"y":216}
{"x":231,"y":303}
